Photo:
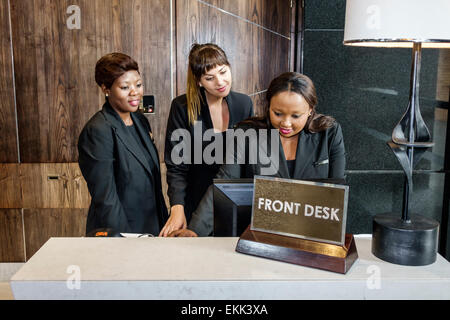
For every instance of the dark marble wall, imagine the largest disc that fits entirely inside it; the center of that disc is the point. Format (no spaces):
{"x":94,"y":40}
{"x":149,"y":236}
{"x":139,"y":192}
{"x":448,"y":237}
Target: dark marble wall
{"x":367,"y":91}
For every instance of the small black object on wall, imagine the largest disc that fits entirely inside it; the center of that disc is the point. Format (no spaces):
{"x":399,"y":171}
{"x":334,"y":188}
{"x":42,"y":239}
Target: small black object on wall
{"x":147,"y":105}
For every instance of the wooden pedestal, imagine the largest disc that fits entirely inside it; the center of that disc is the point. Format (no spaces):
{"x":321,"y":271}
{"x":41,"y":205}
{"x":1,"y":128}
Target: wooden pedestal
{"x":299,"y":251}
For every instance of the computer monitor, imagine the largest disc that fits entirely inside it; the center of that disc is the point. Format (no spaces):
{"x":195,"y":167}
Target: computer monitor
{"x":233,"y":200}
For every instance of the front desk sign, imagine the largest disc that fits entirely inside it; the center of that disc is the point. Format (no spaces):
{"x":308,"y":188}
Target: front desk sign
{"x":300,"y":222}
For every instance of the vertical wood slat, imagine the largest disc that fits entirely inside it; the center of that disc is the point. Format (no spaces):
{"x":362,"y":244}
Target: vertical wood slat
{"x":259,"y":101}
{"x":295,"y":34}
{"x":250,"y":49}
{"x":42,"y":224}
{"x":53,"y":185}
{"x":11,"y":236}
{"x":155,"y":59}
{"x":11,"y":192}
{"x":8,"y":133}
{"x":55,"y":67}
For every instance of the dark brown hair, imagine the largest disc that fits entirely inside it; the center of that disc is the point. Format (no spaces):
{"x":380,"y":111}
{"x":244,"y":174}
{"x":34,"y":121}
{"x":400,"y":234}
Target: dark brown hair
{"x":112,"y":66}
{"x":202,"y":58}
{"x":301,"y":84}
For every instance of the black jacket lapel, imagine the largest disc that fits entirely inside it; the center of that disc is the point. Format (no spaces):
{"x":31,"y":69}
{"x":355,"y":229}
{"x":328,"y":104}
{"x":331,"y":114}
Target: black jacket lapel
{"x":305,"y":147}
{"x":207,"y":115}
{"x":229,"y":101}
{"x":283,"y":172}
{"x":146,"y":137}
{"x":205,"y":111}
{"x":265,"y":147}
{"x":122,"y":133}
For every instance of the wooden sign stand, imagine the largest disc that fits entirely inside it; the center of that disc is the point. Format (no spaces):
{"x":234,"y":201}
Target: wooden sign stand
{"x":302,"y":252}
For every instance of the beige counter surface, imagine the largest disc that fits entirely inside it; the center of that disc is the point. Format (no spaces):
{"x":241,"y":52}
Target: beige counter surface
{"x":209,"y":268}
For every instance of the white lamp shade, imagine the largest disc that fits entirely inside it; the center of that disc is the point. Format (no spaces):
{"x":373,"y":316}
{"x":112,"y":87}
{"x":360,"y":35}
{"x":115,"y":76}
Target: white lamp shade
{"x":397,"y":23}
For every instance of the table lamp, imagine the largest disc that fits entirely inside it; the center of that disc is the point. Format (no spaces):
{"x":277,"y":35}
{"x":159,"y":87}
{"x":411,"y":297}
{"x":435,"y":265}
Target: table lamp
{"x":409,"y":239}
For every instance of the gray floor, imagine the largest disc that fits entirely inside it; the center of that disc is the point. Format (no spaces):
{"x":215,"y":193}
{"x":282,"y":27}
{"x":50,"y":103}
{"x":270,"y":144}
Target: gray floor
{"x":7,"y":270}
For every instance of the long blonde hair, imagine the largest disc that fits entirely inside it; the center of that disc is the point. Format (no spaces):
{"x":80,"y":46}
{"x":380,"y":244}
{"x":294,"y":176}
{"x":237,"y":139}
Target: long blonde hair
{"x":202,"y":58}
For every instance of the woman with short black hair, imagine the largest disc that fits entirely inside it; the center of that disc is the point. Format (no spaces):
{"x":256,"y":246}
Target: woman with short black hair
{"x":117,"y":156}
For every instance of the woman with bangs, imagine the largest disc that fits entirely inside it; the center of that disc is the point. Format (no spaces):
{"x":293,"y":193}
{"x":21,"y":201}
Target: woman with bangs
{"x":210,"y":103}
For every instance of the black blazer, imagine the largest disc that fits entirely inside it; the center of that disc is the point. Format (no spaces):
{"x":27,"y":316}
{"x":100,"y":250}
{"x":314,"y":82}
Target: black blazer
{"x":319,"y":156}
{"x":126,"y":193}
{"x":188,"y":182}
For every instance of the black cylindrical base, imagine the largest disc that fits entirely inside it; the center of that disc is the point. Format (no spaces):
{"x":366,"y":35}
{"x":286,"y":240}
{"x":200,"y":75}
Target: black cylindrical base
{"x":411,"y":243}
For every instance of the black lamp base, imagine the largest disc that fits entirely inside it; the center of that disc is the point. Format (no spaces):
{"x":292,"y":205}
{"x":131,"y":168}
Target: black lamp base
{"x":413,"y":243}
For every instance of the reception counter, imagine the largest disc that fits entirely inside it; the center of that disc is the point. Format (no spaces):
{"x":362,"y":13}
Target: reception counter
{"x":209,"y":268}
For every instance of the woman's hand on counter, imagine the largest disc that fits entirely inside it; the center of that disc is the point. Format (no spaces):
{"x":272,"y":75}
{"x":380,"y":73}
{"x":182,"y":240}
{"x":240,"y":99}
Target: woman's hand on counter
{"x":183,"y":233}
{"x":176,"y":221}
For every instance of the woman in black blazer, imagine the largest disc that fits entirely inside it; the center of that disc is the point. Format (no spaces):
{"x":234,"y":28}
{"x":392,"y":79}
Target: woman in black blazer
{"x":117,"y":155}
{"x":308,"y":145}
{"x":210,"y":103}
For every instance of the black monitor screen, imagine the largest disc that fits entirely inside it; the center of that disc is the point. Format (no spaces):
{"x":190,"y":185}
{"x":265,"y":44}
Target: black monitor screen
{"x":232,"y":206}
{"x":233,"y":201}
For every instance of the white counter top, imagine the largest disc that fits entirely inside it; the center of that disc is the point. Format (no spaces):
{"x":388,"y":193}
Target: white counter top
{"x":209,"y":268}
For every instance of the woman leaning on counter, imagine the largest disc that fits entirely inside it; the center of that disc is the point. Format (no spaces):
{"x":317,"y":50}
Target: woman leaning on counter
{"x":210,"y":101}
{"x":117,"y":156}
{"x":311,"y":144}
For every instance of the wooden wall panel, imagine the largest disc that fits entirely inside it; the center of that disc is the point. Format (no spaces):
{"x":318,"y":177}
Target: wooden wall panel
{"x":271,"y":57}
{"x":11,"y":236}
{"x":11,"y":193}
{"x":256,"y":54}
{"x":53,"y":185}
{"x":43,"y":185}
{"x":8,"y":134}
{"x":55,"y":67}
{"x":259,"y":101}
{"x":42,"y":224}
{"x":272,"y":14}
